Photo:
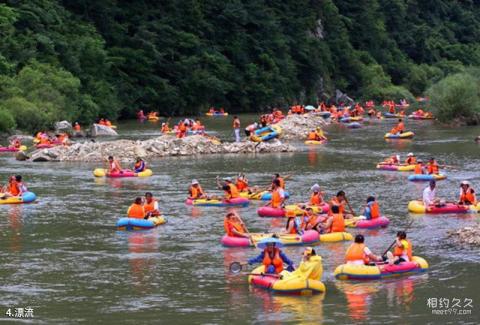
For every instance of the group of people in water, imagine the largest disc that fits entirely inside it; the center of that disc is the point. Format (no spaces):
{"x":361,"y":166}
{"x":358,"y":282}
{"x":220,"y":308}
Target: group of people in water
{"x":467,"y":195}
{"x":43,"y":138}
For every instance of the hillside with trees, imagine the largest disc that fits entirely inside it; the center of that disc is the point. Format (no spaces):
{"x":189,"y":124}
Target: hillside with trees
{"x":79,"y":60}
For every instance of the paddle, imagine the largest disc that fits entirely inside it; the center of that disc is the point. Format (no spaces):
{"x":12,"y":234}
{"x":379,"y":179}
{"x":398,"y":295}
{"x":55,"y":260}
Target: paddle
{"x":395,"y":241}
{"x":349,"y":206}
{"x":236,"y":268}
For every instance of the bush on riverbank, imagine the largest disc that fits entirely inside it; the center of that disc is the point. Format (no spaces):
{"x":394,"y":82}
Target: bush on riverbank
{"x":456,"y":97}
{"x":7,"y":122}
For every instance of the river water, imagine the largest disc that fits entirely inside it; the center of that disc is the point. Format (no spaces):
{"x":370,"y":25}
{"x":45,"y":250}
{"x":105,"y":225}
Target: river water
{"x":64,"y":258}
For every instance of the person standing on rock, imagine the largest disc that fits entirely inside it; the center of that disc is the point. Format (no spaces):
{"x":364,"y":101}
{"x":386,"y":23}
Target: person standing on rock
{"x":236,"y":128}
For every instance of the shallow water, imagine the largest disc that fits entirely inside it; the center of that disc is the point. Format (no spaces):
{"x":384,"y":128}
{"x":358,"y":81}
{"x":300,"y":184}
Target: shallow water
{"x":63,"y":257}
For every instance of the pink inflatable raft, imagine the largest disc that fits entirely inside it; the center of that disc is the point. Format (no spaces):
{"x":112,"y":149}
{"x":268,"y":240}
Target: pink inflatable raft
{"x":280,"y":212}
{"x":307,"y":238}
{"x":380,"y":222}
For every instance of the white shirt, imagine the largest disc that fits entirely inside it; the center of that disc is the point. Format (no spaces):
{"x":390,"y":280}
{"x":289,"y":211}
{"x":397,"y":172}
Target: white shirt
{"x":281,"y":192}
{"x":367,"y":252}
{"x":428,"y":196}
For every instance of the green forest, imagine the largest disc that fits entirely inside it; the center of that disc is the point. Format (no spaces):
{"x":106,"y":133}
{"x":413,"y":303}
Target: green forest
{"x":82,"y":59}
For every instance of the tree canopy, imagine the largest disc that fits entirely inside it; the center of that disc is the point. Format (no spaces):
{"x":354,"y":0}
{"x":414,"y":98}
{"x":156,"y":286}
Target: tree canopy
{"x":84,"y":59}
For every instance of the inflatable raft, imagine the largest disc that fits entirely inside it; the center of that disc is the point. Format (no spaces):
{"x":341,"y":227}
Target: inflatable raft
{"x":354,"y":125}
{"x":307,"y":238}
{"x":315,"y":142}
{"x":418,"y":207}
{"x":404,"y":135}
{"x":100,"y":172}
{"x":263,"y":196}
{"x":216,"y":114}
{"x":426,"y":177}
{"x":292,"y":283}
{"x":375,"y":272}
{"x":420,"y":117}
{"x":335,"y":237}
{"x":218,"y":203}
{"x":361,"y":223}
{"x":153,"y":118}
{"x":350,"y":119}
{"x":395,"y":167}
{"x":139,"y":224}
{"x":280,"y":212}
{"x":27,"y":197}
{"x":266,"y":133}
{"x":12,"y":149}
{"x":390,"y":115}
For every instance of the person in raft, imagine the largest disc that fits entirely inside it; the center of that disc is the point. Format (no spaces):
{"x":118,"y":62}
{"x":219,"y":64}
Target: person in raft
{"x":419,"y":168}
{"x":242,"y":183}
{"x":392,"y":160}
{"x":411,"y":159}
{"x":372,"y":210}
{"x":316,"y":135}
{"x":429,"y":195}
{"x":231,"y":191}
{"x":467,"y":194}
{"x":432,"y":167}
{"x":293,"y":226}
{"x":11,"y":189}
{"x":195,"y":191}
{"x":359,"y":254}
{"x":272,"y":258}
{"x":280,"y":179}
{"x":399,"y":128}
{"x":402,"y":251}
{"x":234,"y":227}
{"x":316,"y":198}
{"x":139,"y":166}
{"x":150,"y":206}
{"x":278,"y":196}
{"x":311,"y":221}
{"x":310,"y":267}
{"x":335,"y":222}
{"x":15,"y":143}
{"x":340,"y":201}
{"x":136,"y":210}
{"x":114,"y":165}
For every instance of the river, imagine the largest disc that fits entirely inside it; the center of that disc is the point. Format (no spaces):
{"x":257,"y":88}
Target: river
{"x":63,"y":257}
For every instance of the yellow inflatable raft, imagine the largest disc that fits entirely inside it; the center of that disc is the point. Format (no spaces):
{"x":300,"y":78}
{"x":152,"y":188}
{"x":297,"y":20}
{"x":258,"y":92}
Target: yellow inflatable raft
{"x":315,"y":142}
{"x":305,"y":280}
{"x":100,"y":172}
{"x":335,"y":237}
{"x":404,"y":135}
{"x":374,"y":272}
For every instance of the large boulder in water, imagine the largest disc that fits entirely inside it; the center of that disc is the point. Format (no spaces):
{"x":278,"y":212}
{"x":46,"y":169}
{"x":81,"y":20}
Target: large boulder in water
{"x":63,"y":126}
{"x":98,"y":130}
{"x":23,"y":138}
{"x":21,"y":156}
{"x":44,"y":155}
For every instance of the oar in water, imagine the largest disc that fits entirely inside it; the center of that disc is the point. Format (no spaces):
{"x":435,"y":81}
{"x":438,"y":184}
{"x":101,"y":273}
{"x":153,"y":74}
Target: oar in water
{"x":395,"y":241}
{"x":350,"y":207}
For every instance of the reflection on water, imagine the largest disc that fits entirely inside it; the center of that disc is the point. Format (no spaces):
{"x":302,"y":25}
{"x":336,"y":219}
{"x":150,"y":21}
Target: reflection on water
{"x":15,"y":224}
{"x":140,"y":244}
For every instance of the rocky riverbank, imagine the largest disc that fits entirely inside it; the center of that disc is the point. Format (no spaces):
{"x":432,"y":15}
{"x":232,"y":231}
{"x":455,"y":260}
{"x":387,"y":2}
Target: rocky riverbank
{"x":467,"y":235}
{"x":296,"y":127}
{"x":162,"y":146}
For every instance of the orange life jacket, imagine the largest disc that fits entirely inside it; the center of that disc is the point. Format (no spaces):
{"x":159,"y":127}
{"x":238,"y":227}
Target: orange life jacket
{"x":468,"y":196}
{"x":418,"y":169}
{"x":411,"y":161}
{"x":374,"y":210}
{"x":276,"y":199}
{"x":397,"y":251}
{"x":433,"y":168}
{"x":196,"y":192}
{"x":233,"y":191}
{"x":356,"y":252}
{"x":241,"y":185}
{"x":294,"y":230}
{"x":276,"y":261}
{"x":182,"y":127}
{"x":108,"y":123}
{"x":149,"y":207}
{"x":136,"y":211}
{"x":335,"y":201}
{"x":312,"y":135}
{"x":401,"y":127}
{"x":228,"y":228}
{"x":316,"y":199}
{"x":338,"y":223}
{"x":165,"y":128}
{"x":13,"y":188}
{"x":77,"y":127}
